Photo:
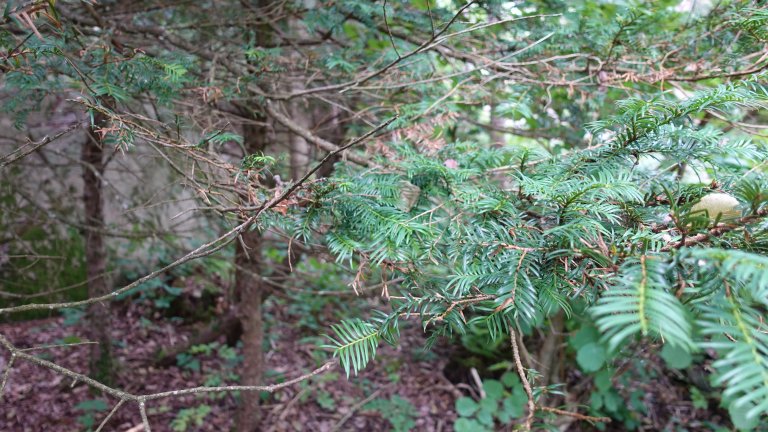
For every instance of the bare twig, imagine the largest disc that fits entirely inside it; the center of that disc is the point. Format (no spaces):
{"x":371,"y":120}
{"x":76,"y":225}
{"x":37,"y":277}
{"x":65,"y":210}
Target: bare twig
{"x":111,"y":413}
{"x":575,"y":415}
{"x":22,"y":152}
{"x":323,"y":144}
{"x":524,"y":379}
{"x":6,"y":373}
{"x":354,"y":409}
{"x":41,"y":347}
{"x":386,"y":23}
{"x":144,"y":418}
{"x":265,"y":388}
{"x":141,"y":400}
{"x":216,"y":244}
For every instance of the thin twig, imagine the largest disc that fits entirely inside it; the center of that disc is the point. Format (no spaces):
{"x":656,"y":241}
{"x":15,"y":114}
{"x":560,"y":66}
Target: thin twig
{"x":41,"y":347}
{"x":111,"y":413}
{"x":524,"y":379}
{"x":453,"y":19}
{"x":575,"y":415}
{"x":265,"y":388}
{"x":386,"y":24}
{"x":144,"y":418}
{"x":478,"y":382}
{"x":142,"y":399}
{"x":20,"y":153}
{"x":431,"y":19}
{"x":354,"y":408}
{"x":7,"y":373}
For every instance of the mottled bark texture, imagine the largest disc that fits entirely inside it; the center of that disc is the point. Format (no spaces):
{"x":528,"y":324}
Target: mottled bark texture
{"x":98,"y":315}
{"x":249,"y":295}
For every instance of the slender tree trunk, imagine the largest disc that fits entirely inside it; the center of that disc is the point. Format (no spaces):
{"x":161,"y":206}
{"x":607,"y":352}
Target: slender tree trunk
{"x":299,"y":108}
{"x":249,"y":295}
{"x":250,"y":291}
{"x":333,"y":131}
{"x":551,"y":352}
{"x":300,"y":148}
{"x":98,"y":314}
{"x":249,"y":288}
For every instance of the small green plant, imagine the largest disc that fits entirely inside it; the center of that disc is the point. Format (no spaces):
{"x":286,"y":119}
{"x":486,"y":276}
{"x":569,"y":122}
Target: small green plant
{"x":166,"y":293}
{"x":190,"y":417}
{"x":504,"y":400}
{"x":191,"y":359}
{"x":399,"y":412}
{"x":91,"y":408}
{"x":591,"y":353}
{"x":188,"y":361}
{"x":606,"y":400}
{"x":698,"y":399}
{"x":72,"y":316}
{"x":325,"y":400}
{"x":257,"y":162}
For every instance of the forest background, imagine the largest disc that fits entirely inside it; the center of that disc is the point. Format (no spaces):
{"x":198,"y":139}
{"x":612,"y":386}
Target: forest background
{"x":384,"y":215}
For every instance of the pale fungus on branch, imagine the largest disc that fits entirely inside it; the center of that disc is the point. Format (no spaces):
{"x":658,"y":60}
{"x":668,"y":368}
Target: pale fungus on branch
{"x":718,"y":204}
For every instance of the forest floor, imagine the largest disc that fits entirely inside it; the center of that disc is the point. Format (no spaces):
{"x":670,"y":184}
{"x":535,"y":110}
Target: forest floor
{"x":404,"y":385}
{"x":405,"y":388}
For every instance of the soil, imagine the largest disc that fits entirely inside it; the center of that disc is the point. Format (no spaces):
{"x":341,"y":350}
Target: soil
{"x":404,"y":385}
{"x":38,"y":399}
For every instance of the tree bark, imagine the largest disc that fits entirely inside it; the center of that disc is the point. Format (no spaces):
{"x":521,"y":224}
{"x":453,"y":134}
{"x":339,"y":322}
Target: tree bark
{"x":249,"y":295}
{"x":333,"y":131}
{"x":551,"y":352}
{"x":300,"y":109}
{"x":250,"y":291}
{"x":98,"y":314}
{"x":300,"y":149}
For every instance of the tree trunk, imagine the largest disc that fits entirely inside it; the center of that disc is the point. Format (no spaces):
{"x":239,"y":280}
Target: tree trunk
{"x":249,"y":294}
{"x":249,"y":288}
{"x":98,"y":314}
{"x":300,"y":149}
{"x":332,"y":130}
{"x":299,"y":108}
{"x":551,"y":352}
